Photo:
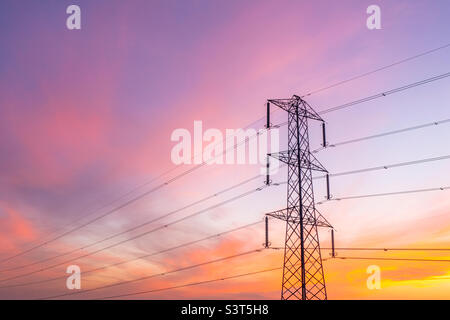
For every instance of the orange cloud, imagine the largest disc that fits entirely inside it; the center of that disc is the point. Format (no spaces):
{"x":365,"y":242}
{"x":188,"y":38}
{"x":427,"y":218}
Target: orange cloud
{"x":16,"y":229}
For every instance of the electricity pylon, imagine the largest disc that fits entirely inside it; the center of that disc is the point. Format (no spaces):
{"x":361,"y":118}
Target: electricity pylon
{"x":303,"y":276}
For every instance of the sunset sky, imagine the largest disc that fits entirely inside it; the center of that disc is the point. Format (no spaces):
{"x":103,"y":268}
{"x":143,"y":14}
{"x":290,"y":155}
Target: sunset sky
{"x":86,"y":118}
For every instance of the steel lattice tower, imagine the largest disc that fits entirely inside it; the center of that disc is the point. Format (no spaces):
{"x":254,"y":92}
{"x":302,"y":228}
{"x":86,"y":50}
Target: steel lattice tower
{"x":303,"y":276}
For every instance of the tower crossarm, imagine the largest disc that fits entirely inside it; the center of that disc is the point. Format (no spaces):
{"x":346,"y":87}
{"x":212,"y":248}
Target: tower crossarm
{"x":290,"y":105}
{"x":318,"y":220}
{"x":307,"y":161}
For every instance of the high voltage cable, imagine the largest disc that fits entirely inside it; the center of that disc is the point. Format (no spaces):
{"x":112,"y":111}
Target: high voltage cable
{"x":239,"y":255}
{"x":385,"y":194}
{"x":196,"y":283}
{"x":386,"y":93}
{"x":379,"y":95}
{"x":134,"y":237}
{"x":135,"y":227}
{"x":371,"y":195}
{"x":387,"y":249}
{"x":95,"y":219}
{"x":143,"y":185}
{"x":139,"y":226}
{"x":377,"y":70}
{"x":373,"y":249}
{"x":383,"y":249}
{"x":385,"y":167}
{"x":214,"y":236}
{"x":165,"y":173}
{"x":393,"y":259}
{"x":193,"y":283}
{"x":84,"y":216}
{"x":384,"y":134}
{"x":127,"y":202}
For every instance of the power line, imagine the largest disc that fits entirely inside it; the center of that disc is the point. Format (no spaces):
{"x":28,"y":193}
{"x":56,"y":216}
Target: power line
{"x":163,"y":174}
{"x":371,"y":195}
{"x":379,"y":95}
{"x":214,"y":236}
{"x":138,"y":226}
{"x":385,"y":194}
{"x":386,"y":93}
{"x":389,"y":166}
{"x":97,"y":218}
{"x":377,"y":70}
{"x":385,"y":167}
{"x":393,"y":259}
{"x":337,"y":144}
{"x":192,"y":283}
{"x":369,"y":73}
{"x":197,"y":283}
{"x":248,"y":138}
{"x":134,"y":237}
{"x":145,"y":184}
{"x":373,"y":249}
{"x":239,"y":255}
{"x":388,"y":249}
{"x":141,"y":186}
{"x":378,"y":168}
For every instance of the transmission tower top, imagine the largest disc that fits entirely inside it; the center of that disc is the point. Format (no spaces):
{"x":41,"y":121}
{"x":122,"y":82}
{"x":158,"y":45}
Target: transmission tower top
{"x":295,"y":103}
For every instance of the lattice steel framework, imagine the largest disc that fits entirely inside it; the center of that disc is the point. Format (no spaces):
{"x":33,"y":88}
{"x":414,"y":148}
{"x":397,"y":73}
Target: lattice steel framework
{"x":303,"y":276}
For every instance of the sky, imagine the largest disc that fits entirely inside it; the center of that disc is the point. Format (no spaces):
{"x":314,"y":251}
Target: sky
{"x":86,"y":118}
